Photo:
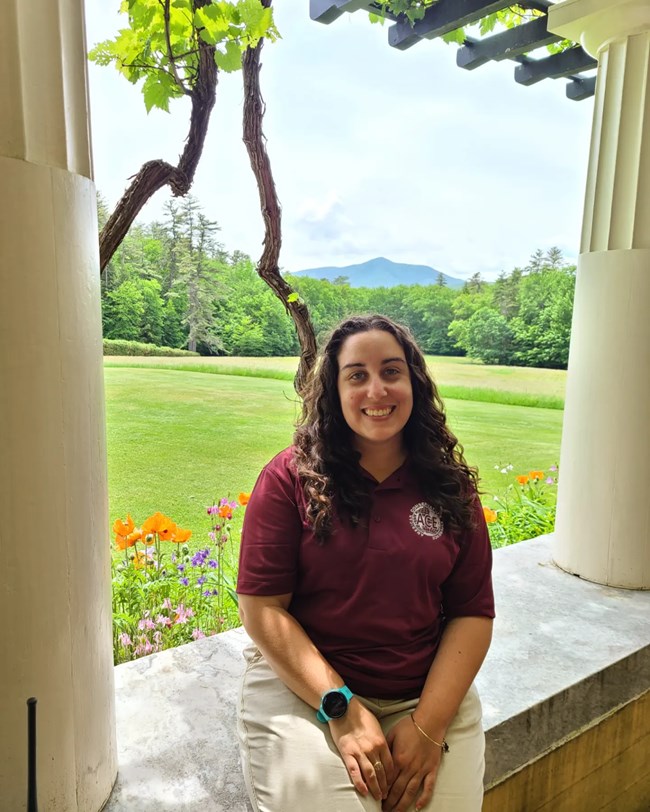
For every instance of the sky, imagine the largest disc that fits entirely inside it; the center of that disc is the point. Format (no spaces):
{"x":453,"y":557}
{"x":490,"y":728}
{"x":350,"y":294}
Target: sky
{"x":375,"y":151}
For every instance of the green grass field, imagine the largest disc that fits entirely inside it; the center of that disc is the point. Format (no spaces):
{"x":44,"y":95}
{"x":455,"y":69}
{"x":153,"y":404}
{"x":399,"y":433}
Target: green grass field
{"x":179,"y":439}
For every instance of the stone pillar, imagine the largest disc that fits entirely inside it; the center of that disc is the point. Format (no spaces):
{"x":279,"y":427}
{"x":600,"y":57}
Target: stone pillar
{"x":55,"y":607}
{"x":603,"y":522}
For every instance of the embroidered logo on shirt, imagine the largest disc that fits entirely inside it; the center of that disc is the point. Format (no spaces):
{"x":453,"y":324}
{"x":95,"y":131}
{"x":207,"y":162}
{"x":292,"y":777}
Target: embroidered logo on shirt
{"x":426,"y":521}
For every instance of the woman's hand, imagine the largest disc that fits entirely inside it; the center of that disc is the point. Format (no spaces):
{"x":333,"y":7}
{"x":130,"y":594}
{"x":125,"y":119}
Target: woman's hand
{"x":364,"y":750}
{"x":416,"y":762}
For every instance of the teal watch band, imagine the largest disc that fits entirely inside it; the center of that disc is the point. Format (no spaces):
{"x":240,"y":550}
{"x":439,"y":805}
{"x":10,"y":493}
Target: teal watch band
{"x":334,"y":704}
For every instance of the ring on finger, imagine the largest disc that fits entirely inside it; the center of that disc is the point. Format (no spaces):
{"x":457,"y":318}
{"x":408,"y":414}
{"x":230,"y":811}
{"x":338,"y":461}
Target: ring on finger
{"x":378,"y":766}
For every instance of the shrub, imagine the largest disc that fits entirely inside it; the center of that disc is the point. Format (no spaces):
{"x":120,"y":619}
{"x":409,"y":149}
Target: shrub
{"x":116,"y":346}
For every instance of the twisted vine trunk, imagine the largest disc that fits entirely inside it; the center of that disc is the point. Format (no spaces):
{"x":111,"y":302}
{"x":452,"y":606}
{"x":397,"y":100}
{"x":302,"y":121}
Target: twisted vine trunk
{"x":268,"y":265}
{"x":153,"y":175}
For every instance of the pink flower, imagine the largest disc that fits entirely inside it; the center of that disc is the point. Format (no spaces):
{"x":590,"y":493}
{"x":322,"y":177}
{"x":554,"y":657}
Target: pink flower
{"x":163,"y":620}
{"x":146,"y":623}
{"x":125,"y":640}
{"x":167,"y":604}
{"x":549,"y":480}
{"x":144,"y":647}
{"x":197,"y":634}
{"x":183,"y":614}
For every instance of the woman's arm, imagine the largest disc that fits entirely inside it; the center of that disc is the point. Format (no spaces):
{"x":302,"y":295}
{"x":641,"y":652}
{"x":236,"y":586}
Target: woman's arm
{"x":461,"y":652}
{"x":298,"y":663}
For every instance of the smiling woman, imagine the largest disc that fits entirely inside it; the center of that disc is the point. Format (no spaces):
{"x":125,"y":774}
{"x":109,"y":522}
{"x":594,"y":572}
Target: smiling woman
{"x":374,"y":387}
{"x":365,"y":585}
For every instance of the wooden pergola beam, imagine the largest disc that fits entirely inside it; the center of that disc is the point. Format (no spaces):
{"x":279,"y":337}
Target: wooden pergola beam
{"x":581,"y":87}
{"x":554,"y":67}
{"x":326,"y":11}
{"x":445,"y":16}
{"x":505,"y":45}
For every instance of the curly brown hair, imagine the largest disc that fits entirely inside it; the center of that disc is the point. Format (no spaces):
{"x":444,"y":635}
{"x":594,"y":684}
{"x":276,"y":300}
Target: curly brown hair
{"x":327,"y":462}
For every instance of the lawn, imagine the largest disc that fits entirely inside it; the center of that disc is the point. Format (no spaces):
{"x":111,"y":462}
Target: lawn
{"x":457,"y":378}
{"x":177,"y":440}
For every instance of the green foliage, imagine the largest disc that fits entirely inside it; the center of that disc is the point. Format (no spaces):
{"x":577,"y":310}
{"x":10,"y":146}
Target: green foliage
{"x":526,"y":510}
{"x":160,"y":45}
{"x":524,"y":318}
{"x":120,"y":347}
{"x":488,"y":337}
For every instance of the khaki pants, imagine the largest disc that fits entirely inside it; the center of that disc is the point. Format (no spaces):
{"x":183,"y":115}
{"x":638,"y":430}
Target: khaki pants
{"x":290,"y":762}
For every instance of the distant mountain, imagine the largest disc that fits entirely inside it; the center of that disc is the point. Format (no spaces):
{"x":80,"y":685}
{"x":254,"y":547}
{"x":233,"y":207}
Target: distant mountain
{"x":381,"y":272}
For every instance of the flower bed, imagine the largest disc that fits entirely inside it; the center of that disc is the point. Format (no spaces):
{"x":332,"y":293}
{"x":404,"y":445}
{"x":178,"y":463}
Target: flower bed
{"x":164,"y":594}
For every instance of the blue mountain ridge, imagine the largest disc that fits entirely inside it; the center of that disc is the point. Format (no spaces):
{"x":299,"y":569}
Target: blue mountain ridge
{"x":381,"y":272}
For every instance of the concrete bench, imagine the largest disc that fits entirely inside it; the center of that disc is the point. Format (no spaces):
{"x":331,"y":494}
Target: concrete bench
{"x":566,"y":653}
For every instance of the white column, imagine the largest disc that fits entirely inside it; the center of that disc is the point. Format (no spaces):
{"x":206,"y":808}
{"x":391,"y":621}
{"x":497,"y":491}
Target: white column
{"x":55,"y":642}
{"x":603,"y":522}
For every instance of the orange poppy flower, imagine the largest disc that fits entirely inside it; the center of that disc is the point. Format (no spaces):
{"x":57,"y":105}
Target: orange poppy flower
{"x":523,"y":479}
{"x":536,"y":474}
{"x":181,"y":535}
{"x":121,"y":542}
{"x":158,"y":524}
{"x":126,"y":533}
{"x":225,"y":511}
{"x":243,"y":498}
{"x":124,"y":528}
{"x":490,"y":515}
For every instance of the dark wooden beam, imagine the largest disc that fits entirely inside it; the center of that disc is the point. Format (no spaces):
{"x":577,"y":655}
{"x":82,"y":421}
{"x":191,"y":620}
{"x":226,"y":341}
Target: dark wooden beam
{"x":581,"y":87}
{"x":445,"y":16}
{"x":326,"y":11}
{"x":505,"y":45}
{"x":554,"y":67}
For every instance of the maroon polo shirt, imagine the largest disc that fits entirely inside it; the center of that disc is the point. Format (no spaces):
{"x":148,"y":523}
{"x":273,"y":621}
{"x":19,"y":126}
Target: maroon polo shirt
{"x":370,"y":597}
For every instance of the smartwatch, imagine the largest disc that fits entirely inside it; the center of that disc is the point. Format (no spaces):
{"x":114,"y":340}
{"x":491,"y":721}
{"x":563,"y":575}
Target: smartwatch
{"x":334,"y":704}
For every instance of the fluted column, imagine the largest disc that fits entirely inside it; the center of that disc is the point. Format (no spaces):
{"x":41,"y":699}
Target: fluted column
{"x":55,"y":642}
{"x":603,"y":522}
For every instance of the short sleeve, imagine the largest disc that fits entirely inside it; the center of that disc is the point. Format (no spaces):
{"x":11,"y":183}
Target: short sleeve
{"x":467,"y":592}
{"x":268,"y":556}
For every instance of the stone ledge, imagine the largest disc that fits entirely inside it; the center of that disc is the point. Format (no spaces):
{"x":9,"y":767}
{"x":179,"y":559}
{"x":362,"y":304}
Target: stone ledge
{"x":565,"y":652}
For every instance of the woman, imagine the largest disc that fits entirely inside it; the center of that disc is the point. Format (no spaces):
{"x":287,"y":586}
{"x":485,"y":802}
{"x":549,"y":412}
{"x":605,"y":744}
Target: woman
{"x":365,"y":585}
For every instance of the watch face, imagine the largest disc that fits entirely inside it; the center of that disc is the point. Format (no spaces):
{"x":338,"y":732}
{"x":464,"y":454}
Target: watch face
{"x":335,"y":704}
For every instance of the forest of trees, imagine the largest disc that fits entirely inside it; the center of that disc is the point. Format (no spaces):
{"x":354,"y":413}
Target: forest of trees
{"x":171,"y":283}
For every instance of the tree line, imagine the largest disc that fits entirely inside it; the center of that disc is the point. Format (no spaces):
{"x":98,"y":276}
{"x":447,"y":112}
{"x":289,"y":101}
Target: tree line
{"x":172,"y":283}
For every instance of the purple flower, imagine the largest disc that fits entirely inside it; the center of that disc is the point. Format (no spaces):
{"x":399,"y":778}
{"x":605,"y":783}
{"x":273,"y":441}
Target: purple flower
{"x":212,"y":564}
{"x":552,"y":468}
{"x":198,"y":559}
{"x":184,"y":581}
{"x":206,"y":593}
{"x":201,"y":580}
{"x":549,"y":480}
{"x":181,"y":567}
